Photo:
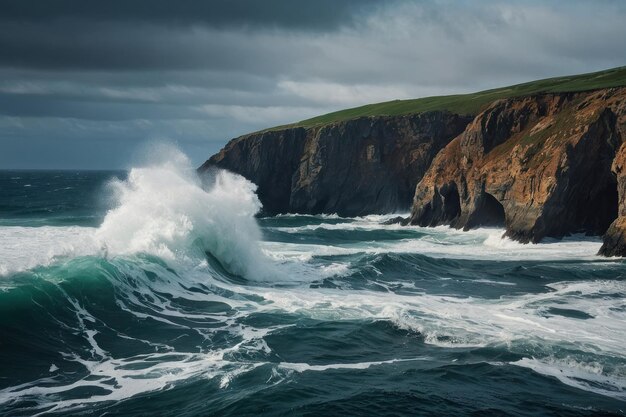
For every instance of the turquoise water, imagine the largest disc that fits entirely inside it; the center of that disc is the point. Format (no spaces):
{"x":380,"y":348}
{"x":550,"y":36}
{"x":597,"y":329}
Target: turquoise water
{"x":143,"y":293}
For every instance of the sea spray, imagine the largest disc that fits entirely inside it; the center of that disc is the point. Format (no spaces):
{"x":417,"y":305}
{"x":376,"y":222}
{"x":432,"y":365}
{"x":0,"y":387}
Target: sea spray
{"x":163,"y":209}
{"x":160,"y":208}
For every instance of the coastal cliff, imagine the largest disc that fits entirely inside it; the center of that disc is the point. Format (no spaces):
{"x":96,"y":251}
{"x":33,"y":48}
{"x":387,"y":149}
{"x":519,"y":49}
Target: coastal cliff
{"x":356,"y":167}
{"x":541,"y":159}
{"x":541,"y":166}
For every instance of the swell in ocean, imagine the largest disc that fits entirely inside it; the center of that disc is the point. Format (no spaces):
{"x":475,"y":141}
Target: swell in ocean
{"x":166,"y":296}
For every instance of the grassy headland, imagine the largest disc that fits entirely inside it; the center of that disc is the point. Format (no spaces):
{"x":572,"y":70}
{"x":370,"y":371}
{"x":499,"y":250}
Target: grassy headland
{"x":472,"y":103}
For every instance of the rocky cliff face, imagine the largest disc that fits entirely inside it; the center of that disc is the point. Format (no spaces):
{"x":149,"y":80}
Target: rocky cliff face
{"x":541,"y":166}
{"x":357,"y":167}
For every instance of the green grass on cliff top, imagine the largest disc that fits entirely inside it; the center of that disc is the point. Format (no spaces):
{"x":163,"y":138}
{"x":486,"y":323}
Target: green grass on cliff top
{"x":471,"y":104}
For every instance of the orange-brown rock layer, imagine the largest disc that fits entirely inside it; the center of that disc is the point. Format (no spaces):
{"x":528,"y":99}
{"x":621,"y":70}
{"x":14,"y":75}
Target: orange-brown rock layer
{"x":363,"y":166}
{"x":539,"y":165}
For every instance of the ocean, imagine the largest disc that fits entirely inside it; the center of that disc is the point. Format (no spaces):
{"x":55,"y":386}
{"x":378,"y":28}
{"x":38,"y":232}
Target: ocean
{"x":149,"y":292}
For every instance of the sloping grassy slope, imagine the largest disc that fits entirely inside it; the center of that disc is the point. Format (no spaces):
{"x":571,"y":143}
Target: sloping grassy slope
{"x":472,"y":103}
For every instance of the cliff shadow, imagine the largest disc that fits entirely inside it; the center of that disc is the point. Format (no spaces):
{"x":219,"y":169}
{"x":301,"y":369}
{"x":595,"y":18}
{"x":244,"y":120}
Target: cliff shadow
{"x":489,"y":212}
{"x":597,"y":213}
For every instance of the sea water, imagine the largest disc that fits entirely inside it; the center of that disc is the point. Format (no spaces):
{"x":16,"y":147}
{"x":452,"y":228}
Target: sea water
{"x":154,"y":292}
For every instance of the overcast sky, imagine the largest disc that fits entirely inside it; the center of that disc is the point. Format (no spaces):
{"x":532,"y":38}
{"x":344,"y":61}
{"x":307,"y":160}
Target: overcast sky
{"x":84,"y":83}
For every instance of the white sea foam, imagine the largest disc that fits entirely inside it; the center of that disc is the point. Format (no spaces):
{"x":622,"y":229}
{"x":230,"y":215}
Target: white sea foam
{"x":518,"y":322}
{"x":161,"y":209}
{"x":588,"y":376}
{"x":452,"y":322}
{"x":304,"y":367}
{"x":477,"y":321}
{"x":27,"y":247}
{"x":440,"y":242}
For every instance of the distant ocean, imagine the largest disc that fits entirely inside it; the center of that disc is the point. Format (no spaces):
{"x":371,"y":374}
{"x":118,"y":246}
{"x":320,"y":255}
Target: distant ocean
{"x":144,"y":293}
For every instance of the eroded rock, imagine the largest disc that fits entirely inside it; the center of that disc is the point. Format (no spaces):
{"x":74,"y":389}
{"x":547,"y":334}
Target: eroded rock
{"x":538,"y":165}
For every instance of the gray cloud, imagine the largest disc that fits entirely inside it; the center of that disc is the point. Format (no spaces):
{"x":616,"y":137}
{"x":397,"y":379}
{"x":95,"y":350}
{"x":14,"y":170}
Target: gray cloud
{"x":199,"y":73}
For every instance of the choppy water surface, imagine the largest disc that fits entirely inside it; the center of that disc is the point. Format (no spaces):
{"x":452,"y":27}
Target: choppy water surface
{"x":149,"y":295}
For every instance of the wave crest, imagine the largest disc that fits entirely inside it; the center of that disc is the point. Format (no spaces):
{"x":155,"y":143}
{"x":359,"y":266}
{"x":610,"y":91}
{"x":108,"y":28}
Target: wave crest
{"x":164,"y":210}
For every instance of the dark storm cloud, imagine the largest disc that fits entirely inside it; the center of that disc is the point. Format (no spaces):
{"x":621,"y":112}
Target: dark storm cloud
{"x":200,"y":72}
{"x":158,"y":34}
{"x":293,"y":14}
{"x":117,"y":46}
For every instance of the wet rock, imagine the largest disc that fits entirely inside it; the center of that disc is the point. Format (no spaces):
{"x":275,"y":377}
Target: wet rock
{"x":397,"y":220}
